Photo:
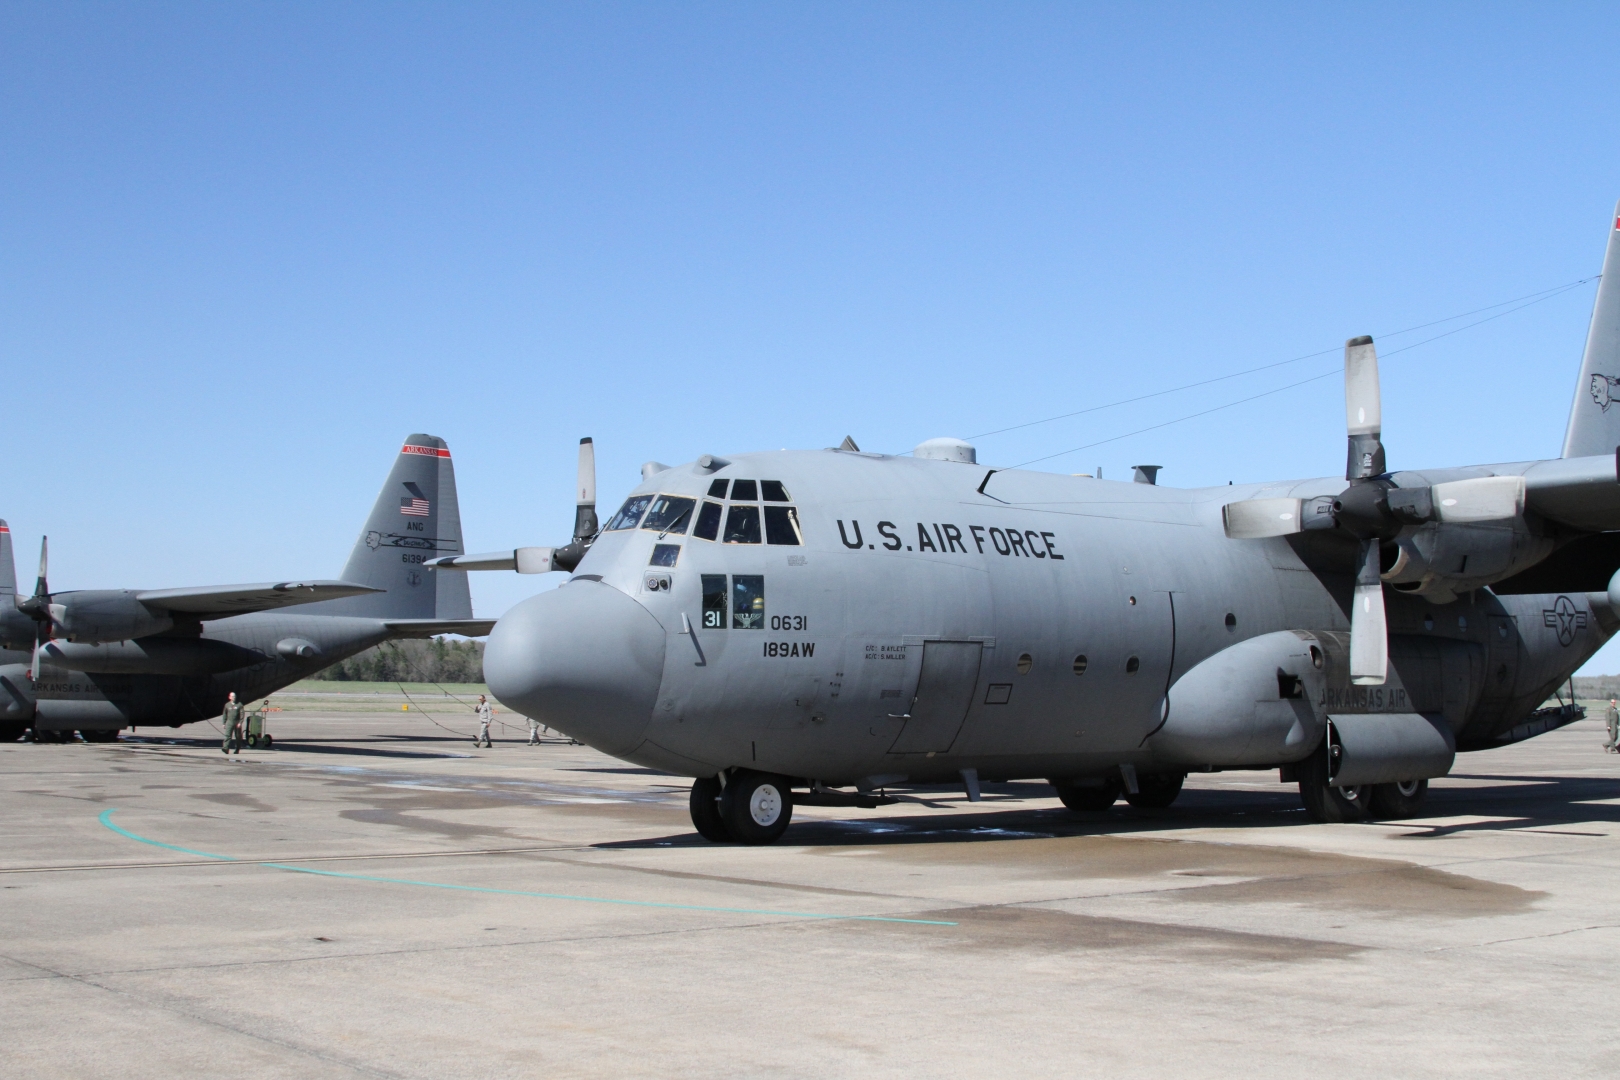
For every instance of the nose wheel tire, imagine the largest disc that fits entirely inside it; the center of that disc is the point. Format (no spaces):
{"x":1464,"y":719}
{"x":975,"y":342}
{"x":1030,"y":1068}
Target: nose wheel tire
{"x":705,"y":806}
{"x":1324,"y":804}
{"x":1155,"y":791}
{"x":756,"y":807}
{"x":1392,"y":801}
{"x":1089,"y":797}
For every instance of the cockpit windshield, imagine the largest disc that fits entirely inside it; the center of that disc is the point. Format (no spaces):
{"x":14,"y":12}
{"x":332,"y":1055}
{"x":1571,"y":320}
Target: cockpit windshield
{"x":669,"y":514}
{"x":630,"y":513}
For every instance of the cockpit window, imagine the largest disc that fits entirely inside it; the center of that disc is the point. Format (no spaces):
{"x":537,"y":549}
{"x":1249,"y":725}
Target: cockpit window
{"x":744,"y":491}
{"x":669,"y":514}
{"x":630,"y":512}
{"x":717,"y":490}
{"x":773,"y":491}
{"x":782,"y":525}
{"x":748,"y":602}
{"x":742,"y":525}
{"x":708,"y":522}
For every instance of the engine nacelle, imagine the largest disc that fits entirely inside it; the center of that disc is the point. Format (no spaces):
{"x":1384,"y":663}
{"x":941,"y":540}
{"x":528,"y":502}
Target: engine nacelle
{"x":106,"y":615}
{"x":1253,"y":703}
{"x":1439,"y":561}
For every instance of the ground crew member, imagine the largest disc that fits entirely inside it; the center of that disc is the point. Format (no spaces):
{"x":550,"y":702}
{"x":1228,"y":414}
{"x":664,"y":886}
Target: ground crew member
{"x":486,"y":713}
{"x":232,"y":719}
{"x":534,"y":732}
{"x":1613,"y":719}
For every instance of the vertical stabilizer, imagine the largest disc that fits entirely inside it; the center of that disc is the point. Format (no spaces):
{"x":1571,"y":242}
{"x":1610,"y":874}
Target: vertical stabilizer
{"x":1594,"y":420}
{"x":416,"y":518}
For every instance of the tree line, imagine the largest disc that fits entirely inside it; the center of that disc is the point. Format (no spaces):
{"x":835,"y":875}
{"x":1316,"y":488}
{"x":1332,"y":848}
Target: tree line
{"x":437,"y":660}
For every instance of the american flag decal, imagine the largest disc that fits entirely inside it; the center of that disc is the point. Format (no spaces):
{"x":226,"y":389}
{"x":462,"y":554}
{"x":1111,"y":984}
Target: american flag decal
{"x":413,"y":507}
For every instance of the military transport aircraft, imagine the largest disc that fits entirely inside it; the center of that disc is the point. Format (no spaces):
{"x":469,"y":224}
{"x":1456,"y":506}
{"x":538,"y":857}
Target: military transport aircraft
{"x":783,"y":625}
{"x":96,"y":661}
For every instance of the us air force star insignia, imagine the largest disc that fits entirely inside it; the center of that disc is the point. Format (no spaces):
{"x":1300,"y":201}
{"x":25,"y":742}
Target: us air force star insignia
{"x":1564,"y":617}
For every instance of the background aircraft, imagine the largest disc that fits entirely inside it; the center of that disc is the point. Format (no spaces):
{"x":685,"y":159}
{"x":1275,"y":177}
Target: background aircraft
{"x":97,"y":661}
{"x":780,"y":625}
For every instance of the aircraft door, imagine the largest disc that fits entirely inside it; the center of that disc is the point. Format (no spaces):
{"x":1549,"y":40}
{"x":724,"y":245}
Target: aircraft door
{"x":945,"y":685}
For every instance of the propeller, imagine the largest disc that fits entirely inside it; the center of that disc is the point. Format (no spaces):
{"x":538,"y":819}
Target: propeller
{"x":540,"y":560}
{"x":1373,"y":509}
{"x":38,"y":606}
{"x":585,"y":523}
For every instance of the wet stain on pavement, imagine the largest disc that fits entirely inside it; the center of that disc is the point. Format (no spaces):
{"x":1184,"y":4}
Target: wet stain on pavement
{"x":1003,"y":929}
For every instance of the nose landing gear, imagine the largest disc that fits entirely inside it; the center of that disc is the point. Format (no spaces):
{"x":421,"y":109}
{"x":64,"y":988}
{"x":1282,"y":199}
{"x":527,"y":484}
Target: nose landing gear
{"x":752,"y":807}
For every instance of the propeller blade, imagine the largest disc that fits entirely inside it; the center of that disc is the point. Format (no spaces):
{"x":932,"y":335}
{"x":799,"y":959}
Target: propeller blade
{"x":1363,"y":411}
{"x":534,"y":560}
{"x":1253,"y":519}
{"x":1369,"y":633}
{"x":1484,"y":498}
{"x":41,"y":585}
{"x":33,"y":665}
{"x":585,"y":524}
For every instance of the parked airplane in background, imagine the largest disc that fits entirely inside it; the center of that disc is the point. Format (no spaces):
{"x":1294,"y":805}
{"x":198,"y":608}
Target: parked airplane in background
{"x":96,"y":661}
{"x":782,"y":625}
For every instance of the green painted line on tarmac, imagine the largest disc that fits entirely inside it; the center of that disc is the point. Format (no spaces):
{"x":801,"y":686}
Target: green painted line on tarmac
{"x":106,"y":819}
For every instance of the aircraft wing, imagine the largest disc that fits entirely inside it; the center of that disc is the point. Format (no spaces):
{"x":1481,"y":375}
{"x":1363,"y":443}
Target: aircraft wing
{"x":218,"y":601}
{"x":434,"y":627}
{"x":1583,"y":492}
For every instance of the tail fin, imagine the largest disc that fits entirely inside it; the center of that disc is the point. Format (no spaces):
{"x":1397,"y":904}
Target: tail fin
{"x":416,"y":518}
{"x":8,"y":568}
{"x":1594,"y":419}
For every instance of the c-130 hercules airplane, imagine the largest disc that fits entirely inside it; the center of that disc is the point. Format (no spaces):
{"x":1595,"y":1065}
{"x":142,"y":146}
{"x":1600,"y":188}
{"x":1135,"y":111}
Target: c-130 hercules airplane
{"x":782,"y":625}
{"x":96,"y":661}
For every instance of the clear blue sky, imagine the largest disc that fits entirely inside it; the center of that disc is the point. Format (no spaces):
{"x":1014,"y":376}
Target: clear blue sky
{"x":247,"y":247}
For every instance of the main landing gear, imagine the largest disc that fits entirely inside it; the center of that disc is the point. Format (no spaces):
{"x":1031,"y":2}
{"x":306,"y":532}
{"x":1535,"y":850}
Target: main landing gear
{"x":749,"y":808}
{"x":1328,"y":805}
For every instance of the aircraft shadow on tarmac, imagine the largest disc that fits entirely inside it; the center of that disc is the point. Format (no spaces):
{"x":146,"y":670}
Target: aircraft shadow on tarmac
{"x":1522,"y":803}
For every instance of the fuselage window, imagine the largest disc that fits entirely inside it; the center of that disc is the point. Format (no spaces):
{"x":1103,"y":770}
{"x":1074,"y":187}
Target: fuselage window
{"x":669,"y":514}
{"x":717,"y":490}
{"x":782,"y":525}
{"x":708,"y":522}
{"x":714,"y":601}
{"x":744,"y":491}
{"x":773,"y":491}
{"x":742,"y":525}
{"x":665,"y":555}
{"x":630,"y":512}
{"x":748,"y":601}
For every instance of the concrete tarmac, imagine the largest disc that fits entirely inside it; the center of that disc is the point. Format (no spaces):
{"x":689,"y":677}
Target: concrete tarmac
{"x":374,"y":897}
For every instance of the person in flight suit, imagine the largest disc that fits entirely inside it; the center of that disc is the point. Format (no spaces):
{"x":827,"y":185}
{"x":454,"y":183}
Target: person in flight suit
{"x":534,"y":732}
{"x":232,"y":720}
{"x":486,"y":713}
{"x":1612,"y":717}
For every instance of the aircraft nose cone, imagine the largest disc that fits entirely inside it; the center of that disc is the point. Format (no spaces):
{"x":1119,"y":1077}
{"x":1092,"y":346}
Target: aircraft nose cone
{"x":584,"y":659}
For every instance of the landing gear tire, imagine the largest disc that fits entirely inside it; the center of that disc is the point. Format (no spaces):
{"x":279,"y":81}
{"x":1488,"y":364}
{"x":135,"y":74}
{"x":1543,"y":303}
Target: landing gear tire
{"x":705,"y":806}
{"x":100,"y":736}
{"x":11,"y":731}
{"x":756,"y":806}
{"x":1155,"y":791}
{"x":1091,"y":798}
{"x":1401,"y":800}
{"x":1324,"y":804}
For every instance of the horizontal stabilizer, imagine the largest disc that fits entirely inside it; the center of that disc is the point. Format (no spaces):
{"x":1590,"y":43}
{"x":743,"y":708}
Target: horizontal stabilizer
{"x":423,"y":628}
{"x":1582,"y":492}
{"x":217,"y":601}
